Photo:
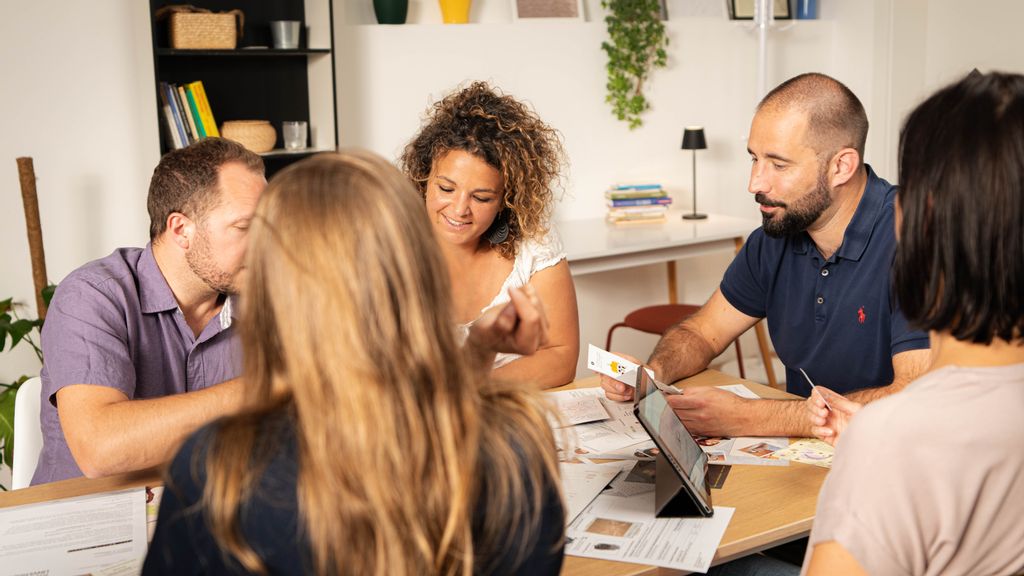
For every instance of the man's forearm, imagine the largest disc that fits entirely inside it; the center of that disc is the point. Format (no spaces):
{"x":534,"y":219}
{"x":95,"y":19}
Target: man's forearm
{"x":910,"y":366}
{"x":776,"y":418}
{"x":871,"y":394}
{"x":680,"y":353}
{"x":137,"y":434}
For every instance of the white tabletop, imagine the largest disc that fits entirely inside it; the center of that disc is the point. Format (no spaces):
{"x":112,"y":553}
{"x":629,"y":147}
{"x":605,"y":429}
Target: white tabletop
{"x":594,"y":245}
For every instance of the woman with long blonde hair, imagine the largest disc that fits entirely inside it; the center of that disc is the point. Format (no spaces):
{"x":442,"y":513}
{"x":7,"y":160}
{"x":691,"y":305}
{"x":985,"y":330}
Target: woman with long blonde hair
{"x":373,"y":444}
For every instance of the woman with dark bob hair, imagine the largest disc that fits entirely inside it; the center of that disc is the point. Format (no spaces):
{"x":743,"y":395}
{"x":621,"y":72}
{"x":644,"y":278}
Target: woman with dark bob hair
{"x":372,"y":442}
{"x":931,"y":480}
{"x":487,"y":166}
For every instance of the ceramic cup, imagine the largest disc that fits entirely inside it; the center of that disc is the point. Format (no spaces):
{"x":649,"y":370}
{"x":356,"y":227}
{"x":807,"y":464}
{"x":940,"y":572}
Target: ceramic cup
{"x":285,"y":34}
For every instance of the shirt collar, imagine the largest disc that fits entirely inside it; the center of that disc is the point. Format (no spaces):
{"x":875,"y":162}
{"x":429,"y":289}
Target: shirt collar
{"x":154,"y":293}
{"x":858,"y":231}
{"x":227,"y":313}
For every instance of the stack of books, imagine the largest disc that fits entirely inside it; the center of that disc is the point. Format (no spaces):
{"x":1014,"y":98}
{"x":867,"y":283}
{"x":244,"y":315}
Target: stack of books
{"x":186,"y":113}
{"x":637,"y":203}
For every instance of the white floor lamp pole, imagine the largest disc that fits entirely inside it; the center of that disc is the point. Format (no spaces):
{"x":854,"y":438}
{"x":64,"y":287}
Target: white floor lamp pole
{"x":762,"y":19}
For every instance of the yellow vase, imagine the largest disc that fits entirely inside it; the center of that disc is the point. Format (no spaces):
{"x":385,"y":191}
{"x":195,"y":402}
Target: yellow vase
{"x":455,"y":11}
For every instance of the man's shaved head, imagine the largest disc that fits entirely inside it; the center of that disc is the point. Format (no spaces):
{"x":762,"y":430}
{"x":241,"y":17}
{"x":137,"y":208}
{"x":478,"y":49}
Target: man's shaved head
{"x":835,"y":117}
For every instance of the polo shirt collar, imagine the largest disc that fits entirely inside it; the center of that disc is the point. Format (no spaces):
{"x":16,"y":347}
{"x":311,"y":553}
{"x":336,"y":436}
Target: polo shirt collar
{"x":858,"y":231}
{"x":154,"y":293}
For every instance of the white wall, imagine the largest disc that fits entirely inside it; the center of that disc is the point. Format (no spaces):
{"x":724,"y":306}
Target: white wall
{"x":78,"y":98}
{"x":388,"y":75}
{"x":890,"y":52}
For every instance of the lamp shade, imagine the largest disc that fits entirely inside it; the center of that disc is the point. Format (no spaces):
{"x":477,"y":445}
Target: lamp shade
{"x":693,"y":138}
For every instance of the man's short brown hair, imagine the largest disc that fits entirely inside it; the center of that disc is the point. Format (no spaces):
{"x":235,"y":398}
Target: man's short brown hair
{"x":185,"y":180}
{"x":835,"y":116}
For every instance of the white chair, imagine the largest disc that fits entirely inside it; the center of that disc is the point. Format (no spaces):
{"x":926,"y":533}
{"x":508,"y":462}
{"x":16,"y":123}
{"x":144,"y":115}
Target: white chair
{"x":28,"y":434}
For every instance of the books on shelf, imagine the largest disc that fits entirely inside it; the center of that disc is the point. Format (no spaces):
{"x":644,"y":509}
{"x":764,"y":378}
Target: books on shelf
{"x":637,"y":203}
{"x":205,"y":112}
{"x":187,"y":114}
{"x":172,"y":128}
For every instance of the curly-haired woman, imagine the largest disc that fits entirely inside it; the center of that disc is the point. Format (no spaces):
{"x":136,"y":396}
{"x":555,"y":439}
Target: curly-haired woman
{"x":487,"y":167}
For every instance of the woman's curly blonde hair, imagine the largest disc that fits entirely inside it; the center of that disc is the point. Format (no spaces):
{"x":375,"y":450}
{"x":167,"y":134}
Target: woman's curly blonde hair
{"x":511,"y":138}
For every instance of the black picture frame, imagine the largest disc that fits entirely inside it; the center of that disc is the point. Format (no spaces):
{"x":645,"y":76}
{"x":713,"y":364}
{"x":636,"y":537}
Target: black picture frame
{"x":744,"y":9}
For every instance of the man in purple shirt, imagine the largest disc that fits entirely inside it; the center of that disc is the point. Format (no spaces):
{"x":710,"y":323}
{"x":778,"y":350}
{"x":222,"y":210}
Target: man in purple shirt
{"x":138,"y":346}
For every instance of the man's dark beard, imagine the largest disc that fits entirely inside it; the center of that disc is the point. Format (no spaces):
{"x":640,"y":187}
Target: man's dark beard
{"x":200,"y":261}
{"x":804,"y":212}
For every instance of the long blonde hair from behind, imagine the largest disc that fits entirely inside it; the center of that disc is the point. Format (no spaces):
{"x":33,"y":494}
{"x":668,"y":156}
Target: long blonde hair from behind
{"x":347,"y":329}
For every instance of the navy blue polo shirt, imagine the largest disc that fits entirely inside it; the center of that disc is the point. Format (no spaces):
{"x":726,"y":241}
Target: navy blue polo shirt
{"x":834,"y":318}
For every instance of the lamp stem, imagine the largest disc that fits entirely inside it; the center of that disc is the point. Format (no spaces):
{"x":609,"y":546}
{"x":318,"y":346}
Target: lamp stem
{"x":694,"y":152}
{"x":694,"y":215}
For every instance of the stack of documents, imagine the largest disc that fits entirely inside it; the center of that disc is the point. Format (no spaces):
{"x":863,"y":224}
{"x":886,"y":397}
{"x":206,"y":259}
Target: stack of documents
{"x":89,"y":534}
{"x":610,"y":506}
{"x":625,"y":529}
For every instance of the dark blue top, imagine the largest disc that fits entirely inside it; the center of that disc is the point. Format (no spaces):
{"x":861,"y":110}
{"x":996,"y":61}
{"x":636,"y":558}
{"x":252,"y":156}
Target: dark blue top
{"x":835,"y":318}
{"x":269,"y":522}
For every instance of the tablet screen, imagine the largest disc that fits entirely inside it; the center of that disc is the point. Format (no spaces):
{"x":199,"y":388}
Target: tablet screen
{"x":671,"y":436}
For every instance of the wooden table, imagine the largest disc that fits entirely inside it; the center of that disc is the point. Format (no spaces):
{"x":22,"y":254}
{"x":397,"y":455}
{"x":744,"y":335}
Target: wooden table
{"x":774,"y":504}
{"x":80,"y":487}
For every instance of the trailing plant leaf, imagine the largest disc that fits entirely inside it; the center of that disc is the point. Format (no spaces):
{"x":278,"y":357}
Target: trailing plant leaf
{"x":18,"y":330}
{"x":7,"y":421}
{"x":635,"y":46}
{"x":47,"y":293}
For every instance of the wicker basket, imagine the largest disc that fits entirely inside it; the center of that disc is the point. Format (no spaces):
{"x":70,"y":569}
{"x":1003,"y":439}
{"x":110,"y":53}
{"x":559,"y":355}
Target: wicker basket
{"x":256,"y":135}
{"x":192,"y":28}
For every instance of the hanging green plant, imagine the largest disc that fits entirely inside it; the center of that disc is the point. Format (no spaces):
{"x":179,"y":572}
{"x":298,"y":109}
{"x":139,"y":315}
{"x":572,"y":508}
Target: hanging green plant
{"x":635,"y":46}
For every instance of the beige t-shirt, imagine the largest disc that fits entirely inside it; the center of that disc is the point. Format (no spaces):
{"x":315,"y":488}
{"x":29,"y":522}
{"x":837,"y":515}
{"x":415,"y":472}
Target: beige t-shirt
{"x":931,"y":480}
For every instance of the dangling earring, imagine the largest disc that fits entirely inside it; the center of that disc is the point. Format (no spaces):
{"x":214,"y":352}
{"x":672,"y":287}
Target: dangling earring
{"x":498,"y":231}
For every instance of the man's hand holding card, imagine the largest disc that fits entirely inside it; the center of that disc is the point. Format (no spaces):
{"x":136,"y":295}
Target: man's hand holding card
{"x":618,"y":374}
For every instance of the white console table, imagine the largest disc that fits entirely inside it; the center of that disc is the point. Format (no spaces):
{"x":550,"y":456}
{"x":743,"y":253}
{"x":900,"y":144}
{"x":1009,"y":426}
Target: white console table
{"x":594,"y":245}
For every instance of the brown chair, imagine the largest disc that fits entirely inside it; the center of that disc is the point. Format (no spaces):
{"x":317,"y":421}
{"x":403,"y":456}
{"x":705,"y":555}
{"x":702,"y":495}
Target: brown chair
{"x":658,"y":319}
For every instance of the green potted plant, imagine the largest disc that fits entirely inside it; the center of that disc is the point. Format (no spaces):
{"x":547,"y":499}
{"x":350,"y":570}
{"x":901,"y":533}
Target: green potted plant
{"x":15,"y":330}
{"x":635,"y":46}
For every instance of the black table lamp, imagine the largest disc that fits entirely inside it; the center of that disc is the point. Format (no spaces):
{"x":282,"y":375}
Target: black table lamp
{"x":693,"y":139}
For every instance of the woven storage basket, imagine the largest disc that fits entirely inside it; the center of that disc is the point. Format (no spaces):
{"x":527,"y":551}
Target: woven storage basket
{"x":256,"y":135}
{"x":205,"y":30}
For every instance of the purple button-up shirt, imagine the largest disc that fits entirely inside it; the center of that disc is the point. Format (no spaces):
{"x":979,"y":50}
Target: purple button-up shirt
{"x":114,"y":322}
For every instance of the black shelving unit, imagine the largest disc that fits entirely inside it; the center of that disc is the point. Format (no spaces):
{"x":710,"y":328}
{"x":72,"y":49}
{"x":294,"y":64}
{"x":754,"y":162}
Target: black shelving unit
{"x":256,"y":81}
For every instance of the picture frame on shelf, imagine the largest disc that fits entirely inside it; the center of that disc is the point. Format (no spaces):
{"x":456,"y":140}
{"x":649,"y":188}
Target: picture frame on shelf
{"x":744,"y":9}
{"x":547,"y":10}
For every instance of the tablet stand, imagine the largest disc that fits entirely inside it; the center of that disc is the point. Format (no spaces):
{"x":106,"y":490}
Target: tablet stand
{"x":671,"y":500}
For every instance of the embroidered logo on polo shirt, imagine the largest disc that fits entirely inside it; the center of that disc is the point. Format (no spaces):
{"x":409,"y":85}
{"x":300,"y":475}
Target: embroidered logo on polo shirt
{"x":861,"y":316}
